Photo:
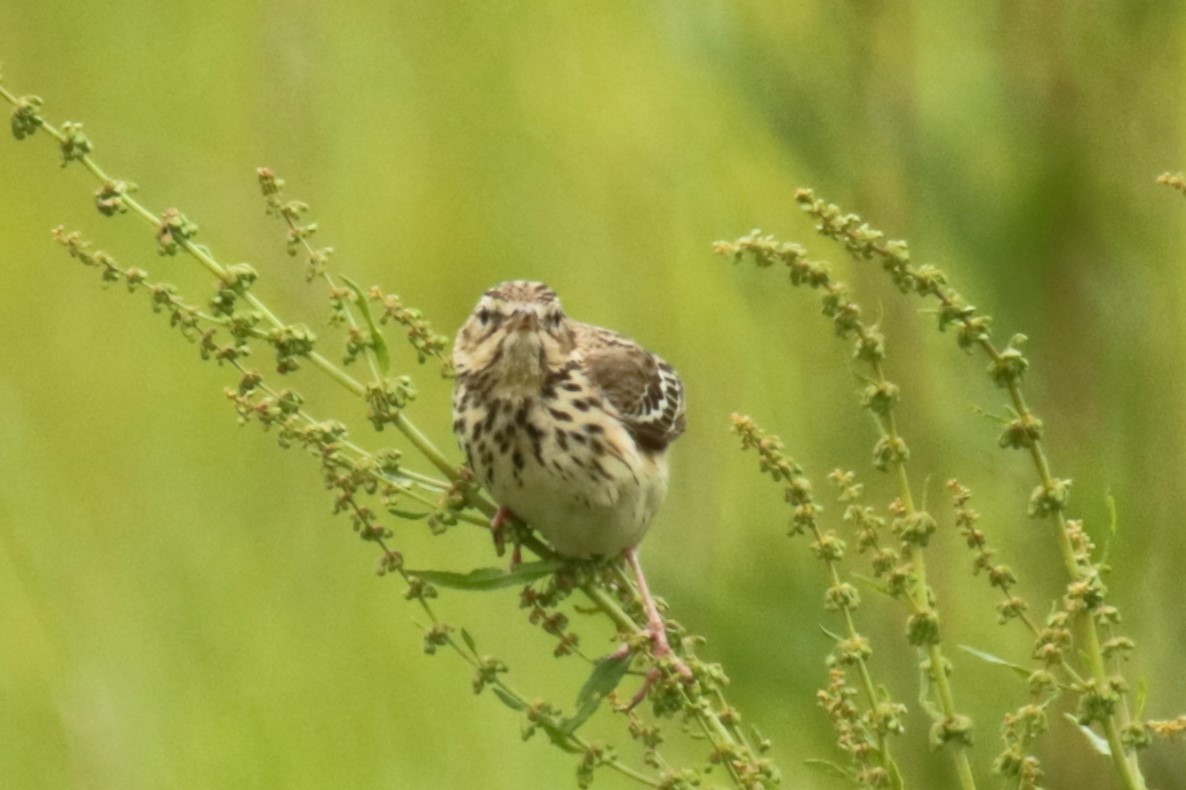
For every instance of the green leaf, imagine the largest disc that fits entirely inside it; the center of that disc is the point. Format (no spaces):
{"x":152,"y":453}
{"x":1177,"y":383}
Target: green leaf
{"x":873,"y":584}
{"x":379,"y":343}
{"x":507,"y":699}
{"x":760,"y":740}
{"x":1113,"y":529}
{"x":469,"y":641}
{"x":407,"y":514}
{"x":829,"y":768}
{"x":1142,"y":698}
{"x":607,"y":674}
{"x":560,"y":738}
{"x":896,"y":780}
{"x":834,"y":636}
{"x":587,"y":709}
{"x":991,"y":659}
{"x":490,"y":578}
{"x":1095,"y":740}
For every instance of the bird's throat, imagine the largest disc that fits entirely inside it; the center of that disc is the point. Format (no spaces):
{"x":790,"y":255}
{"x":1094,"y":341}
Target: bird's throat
{"x":523,"y":365}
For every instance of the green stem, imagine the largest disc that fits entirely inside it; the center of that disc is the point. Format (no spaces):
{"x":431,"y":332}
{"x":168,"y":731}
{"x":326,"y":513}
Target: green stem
{"x":402,"y":423}
{"x":329,"y":280}
{"x":717,"y":734}
{"x":572,"y":738}
{"x":606,"y":603}
{"x":710,"y":723}
{"x":920,"y":593}
{"x":1125,"y":761}
{"x":862,"y":665}
{"x":426,"y":447}
{"x":707,"y":718}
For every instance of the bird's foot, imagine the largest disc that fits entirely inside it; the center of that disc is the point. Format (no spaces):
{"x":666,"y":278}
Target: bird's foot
{"x":498,"y":529}
{"x":498,"y":526}
{"x":657,"y":631}
{"x":662,"y":651}
{"x":653,"y":675}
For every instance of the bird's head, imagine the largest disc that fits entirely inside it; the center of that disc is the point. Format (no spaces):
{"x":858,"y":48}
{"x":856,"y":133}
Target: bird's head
{"x":518,"y":329}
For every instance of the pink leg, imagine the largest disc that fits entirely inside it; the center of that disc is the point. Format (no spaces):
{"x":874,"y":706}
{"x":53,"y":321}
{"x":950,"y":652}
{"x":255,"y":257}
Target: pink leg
{"x":654,"y":619}
{"x":498,"y":526}
{"x":660,"y":647}
{"x":498,"y":529}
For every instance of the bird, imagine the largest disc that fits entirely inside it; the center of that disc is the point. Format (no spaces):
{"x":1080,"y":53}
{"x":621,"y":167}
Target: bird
{"x":567,"y":425}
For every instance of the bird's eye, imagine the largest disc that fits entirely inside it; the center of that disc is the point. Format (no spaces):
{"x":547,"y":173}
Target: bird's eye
{"x":553,"y":320}
{"x":484,"y":316}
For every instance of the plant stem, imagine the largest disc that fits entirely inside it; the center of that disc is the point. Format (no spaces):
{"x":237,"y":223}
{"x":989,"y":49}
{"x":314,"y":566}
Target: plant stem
{"x":572,"y":738}
{"x":920,"y":593}
{"x":1124,"y":760}
{"x":196,"y":251}
{"x":721,"y":734}
{"x":715,"y":728}
{"x":864,"y":242}
{"x":862,"y":665}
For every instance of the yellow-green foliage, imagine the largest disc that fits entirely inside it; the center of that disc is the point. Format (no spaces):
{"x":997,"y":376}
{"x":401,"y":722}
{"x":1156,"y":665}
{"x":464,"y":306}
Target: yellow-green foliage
{"x":180,"y":607}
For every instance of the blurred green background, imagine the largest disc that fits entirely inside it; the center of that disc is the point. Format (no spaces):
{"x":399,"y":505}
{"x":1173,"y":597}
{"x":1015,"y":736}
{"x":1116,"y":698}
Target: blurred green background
{"x":178,"y":608}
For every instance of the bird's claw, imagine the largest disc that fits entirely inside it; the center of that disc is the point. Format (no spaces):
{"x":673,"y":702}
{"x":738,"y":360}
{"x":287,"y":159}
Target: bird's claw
{"x":498,"y":530}
{"x":657,"y":631}
{"x":663,"y":654}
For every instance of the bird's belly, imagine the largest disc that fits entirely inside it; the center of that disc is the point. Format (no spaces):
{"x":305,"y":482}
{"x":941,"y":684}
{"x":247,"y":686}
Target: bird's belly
{"x":584,"y":504}
{"x":587,"y":533}
{"x":599,"y":520}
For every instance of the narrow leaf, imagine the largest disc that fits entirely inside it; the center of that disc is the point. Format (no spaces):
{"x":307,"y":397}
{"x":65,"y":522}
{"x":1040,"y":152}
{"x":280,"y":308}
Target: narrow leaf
{"x":507,"y":699}
{"x":983,"y":412}
{"x":469,"y":641}
{"x":1095,"y":740}
{"x":379,"y":343}
{"x":925,"y":690}
{"x":407,"y":514}
{"x":1142,"y":698}
{"x":834,"y":636}
{"x":828,"y":768}
{"x":607,"y":674}
{"x":991,"y":659}
{"x":873,"y":584}
{"x":560,"y":738}
{"x":760,"y":740}
{"x":490,"y":578}
{"x":587,"y":709}
{"x":896,"y":780}
{"x":1113,"y":529}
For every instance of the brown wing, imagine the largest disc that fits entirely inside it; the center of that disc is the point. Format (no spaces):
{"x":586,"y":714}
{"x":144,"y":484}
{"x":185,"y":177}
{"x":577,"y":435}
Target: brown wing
{"x":645,"y":390}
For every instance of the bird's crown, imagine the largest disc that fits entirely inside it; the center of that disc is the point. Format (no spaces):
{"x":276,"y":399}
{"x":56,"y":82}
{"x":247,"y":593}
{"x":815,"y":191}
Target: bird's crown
{"x":514,"y":320}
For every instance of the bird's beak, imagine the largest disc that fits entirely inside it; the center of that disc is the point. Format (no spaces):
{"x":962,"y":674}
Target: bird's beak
{"x":524,"y":321}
